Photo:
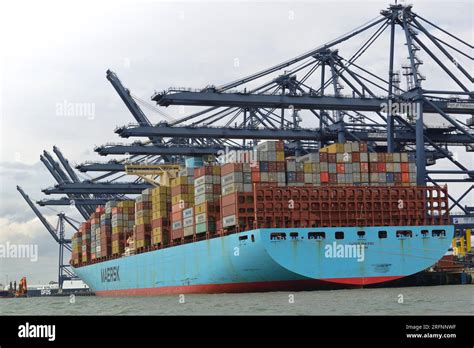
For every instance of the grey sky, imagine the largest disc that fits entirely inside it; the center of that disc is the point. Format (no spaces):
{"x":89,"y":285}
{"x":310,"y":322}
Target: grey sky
{"x":57,"y":51}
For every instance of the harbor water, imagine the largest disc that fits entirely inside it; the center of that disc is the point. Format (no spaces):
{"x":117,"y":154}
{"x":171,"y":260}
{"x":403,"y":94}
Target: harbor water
{"x":430,"y":300}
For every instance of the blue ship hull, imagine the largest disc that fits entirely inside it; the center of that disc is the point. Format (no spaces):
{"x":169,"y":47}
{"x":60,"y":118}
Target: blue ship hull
{"x":273,"y":259}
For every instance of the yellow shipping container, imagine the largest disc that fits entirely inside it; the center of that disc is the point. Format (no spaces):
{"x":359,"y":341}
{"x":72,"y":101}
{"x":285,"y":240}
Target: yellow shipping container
{"x":280,"y":156}
{"x":160,"y":191}
{"x":160,"y":199}
{"x":159,"y":214}
{"x":216,"y":170}
{"x":143,"y":220}
{"x":140,"y":243}
{"x":143,"y":214}
{"x":156,"y":239}
{"x":181,"y":180}
{"x":334,"y":148}
{"x":126,"y":204}
{"x":200,"y":208}
{"x":308,"y":168}
{"x":185,"y":197}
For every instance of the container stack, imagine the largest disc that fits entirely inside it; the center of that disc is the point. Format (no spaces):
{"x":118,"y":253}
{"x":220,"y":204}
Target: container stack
{"x":392,"y":169}
{"x":207,"y":191}
{"x":85,"y":233}
{"x":344,"y":164}
{"x":237,"y":209}
{"x":143,"y":216}
{"x":95,"y":234}
{"x":182,"y":198}
{"x":122,"y":224}
{"x":160,"y":208}
{"x":76,"y":252}
{"x":270,"y":166}
{"x":106,"y":234}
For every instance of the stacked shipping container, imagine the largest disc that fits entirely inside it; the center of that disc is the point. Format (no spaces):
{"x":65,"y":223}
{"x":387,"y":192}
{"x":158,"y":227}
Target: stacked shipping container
{"x":160,"y":209}
{"x":182,"y":201}
{"x":207,"y":191}
{"x":143,"y":216}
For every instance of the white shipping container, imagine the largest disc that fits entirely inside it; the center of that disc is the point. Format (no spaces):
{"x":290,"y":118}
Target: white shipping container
{"x":396,"y":157}
{"x":177,"y":225}
{"x":228,"y":221}
{"x":236,"y":177}
{"x":308,"y":178}
{"x":290,"y":166}
{"x":248,"y":187}
{"x":188,"y":221}
{"x":188,"y":231}
{"x":188,"y":213}
{"x":200,"y":218}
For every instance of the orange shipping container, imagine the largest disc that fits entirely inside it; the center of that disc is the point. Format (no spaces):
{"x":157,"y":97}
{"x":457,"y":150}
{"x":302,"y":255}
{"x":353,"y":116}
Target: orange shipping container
{"x":405,"y":167}
{"x":405,"y":177}
{"x":340,"y":168}
{"x":324,"y":177}
{"x":381,"y":167}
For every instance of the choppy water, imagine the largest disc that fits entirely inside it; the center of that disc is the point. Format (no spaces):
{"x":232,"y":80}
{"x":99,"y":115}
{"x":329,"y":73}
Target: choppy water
{"x":433,"y":300}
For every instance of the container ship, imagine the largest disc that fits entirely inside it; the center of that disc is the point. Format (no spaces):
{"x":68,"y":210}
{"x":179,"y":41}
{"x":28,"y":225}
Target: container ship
{"x":341,"y":217}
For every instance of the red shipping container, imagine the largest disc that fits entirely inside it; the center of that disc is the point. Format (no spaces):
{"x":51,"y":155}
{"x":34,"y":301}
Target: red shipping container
{"x":177,"y":234}
{"x":397,"y":178}
{"x":201,"y":171}
{"x":355,"y":157}
{"x":140,"y":229}
{"x":178,"y":207}
{"x":405,"y":177}
{"x":300,"y":177}
{"x":255,"y":176}
{"x":177,"y":216}
{"x":143,"y":206}
{"x":272,"y":166}
{"x":280,"y":166}
{"x":332,"y":157}
{"x":340,"y":168}
{"x":323,"y":157}
{"x":255,"y":167}
{"x":381,"y":157}
{"x":116,"y":210}
{"x":216,"y":189}
{"x":364,"y":167}
{"x":404,"y":167}
{"x":381,"y":167}
{"x":118,"y":236}
{"x":176,"y":190}
{"x":161,"y":222}
{"x":231,"y":168}
{"x":238,"y":198}
{"x":324,"y":177}
{"x":332,"y":178}
{"x":374,"y":168}
{"x":280,"y":145}
{"x":229,"y":210}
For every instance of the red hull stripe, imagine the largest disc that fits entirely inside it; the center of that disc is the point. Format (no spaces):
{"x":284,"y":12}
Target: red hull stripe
{"x":294,"y":285}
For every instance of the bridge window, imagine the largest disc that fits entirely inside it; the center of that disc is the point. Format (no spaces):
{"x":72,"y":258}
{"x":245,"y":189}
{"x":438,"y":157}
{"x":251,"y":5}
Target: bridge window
{"x":438,"y":233}
{"x":404,"y":234}
{"x":424,"y":233}
{"x":382,"y":234}
{"x":316,"y":235}
{"x":361,"y":234}
{"x":252,"y":237}
{"x":293,"y":235}
{"x":339,"y":235}
{"x":278,"y":236}
{"x":243,"y":237}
